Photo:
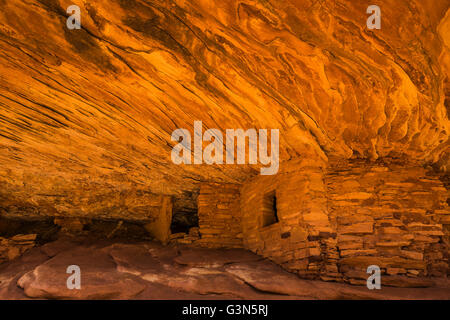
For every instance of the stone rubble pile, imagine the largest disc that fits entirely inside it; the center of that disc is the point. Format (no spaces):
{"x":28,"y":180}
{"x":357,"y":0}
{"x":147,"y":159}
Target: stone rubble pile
{"x":11,"y":248}
{"x":185,"y":238}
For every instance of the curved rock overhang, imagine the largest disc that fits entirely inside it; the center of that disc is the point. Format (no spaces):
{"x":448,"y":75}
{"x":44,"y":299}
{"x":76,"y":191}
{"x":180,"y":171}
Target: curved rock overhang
{"x":86,"y":116}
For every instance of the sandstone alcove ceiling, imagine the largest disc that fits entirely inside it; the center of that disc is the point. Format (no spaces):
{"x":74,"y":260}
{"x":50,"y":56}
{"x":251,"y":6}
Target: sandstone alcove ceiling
{"x":86,"y":115}
{"x":88,"y":179}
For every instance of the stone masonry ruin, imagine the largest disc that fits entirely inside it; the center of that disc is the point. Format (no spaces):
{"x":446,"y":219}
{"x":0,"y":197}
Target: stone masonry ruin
{"x":202,"y":145}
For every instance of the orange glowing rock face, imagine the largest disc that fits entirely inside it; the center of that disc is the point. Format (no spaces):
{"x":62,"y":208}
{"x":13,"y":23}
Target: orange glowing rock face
{"x":86,"y":115}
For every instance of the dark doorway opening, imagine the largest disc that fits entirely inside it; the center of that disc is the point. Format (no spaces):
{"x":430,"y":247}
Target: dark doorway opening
{"x":270,"y":210}
{"x":185,"y":213}
{"x":182,"y":221}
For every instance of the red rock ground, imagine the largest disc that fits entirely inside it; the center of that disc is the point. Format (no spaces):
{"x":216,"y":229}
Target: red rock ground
{"x":119,"y":270}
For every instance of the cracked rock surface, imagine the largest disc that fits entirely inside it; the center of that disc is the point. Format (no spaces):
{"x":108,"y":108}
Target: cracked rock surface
{"x":119,"y":270}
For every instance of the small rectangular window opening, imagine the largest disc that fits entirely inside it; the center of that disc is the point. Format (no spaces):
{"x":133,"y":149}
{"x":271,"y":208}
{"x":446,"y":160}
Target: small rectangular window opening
{"x":270,"y":212}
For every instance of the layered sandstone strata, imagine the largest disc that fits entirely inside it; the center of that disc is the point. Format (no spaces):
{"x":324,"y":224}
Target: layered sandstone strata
{"x":86,"y":115}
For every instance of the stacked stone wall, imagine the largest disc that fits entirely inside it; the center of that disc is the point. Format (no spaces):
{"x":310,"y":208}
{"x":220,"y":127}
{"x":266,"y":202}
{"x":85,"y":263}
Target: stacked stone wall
{"x":219,"y":216}
{"x":303,"y":238}
{"x":334,"y":222}
{"x":390,"y":215}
